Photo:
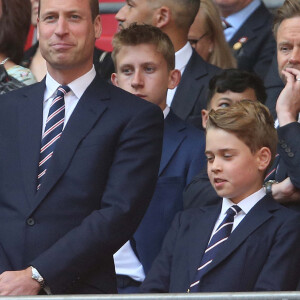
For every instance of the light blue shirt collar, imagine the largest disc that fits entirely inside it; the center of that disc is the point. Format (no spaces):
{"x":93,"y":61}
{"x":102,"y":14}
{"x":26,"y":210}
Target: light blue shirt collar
{"x":237,"y":19}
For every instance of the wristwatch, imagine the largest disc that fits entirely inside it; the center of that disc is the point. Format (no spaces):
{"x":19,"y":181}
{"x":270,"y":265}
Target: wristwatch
{"x":268,"y":186}
{"x":37,"y":276}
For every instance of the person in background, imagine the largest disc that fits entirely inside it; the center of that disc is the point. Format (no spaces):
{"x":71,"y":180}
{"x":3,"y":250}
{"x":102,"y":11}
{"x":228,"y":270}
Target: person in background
{"x":174,"y":17}
{"x":14,"y":27}
{"x":144,"y":60}
{"x":207,"y":37}
{"x":248,"y":31}
{"x":225,"y":89}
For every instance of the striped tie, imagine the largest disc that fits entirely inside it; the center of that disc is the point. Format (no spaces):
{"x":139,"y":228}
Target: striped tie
{"x":219,"y":237}
{"x":53,"y":130}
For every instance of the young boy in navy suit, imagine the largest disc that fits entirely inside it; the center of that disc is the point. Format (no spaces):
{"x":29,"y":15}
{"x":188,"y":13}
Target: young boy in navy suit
{"x":246,"y":243}
{"x":144,"y":59}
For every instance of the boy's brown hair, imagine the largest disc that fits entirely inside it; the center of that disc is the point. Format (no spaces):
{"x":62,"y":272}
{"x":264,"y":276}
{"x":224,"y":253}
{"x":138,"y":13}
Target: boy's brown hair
{"x":289,"y":9}
{"x":136,"y":34}
{"x":250,"y":121}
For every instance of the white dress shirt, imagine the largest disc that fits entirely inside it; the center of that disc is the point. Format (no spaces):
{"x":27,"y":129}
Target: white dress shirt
{"x":182,"y":57}
{"x":78,"y":87}
{"x":246,"y":205}
{"x":237,"y":19}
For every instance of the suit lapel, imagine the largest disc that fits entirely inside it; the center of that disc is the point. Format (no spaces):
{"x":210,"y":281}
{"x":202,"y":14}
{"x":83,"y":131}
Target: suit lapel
{"x":258,"y":215}
{"x":30,"y":116}
{"x":88,"y":110}
{"x":188,"y":89}
{"x":249,"y":28}
{"x":174,"y":134}
{"x":200,"y":235}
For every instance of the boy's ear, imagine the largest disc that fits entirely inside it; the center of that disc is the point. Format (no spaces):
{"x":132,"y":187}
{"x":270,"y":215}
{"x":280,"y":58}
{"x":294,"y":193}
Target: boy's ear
{"x":162,"y":17}
{"x":114,"y":79}
{"x":263,"y":158}
{"x":204,"y":114}
{"x":174,"y":78}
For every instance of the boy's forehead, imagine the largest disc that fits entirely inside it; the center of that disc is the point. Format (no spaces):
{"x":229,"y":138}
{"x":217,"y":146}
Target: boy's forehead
{"x":141,"y":53}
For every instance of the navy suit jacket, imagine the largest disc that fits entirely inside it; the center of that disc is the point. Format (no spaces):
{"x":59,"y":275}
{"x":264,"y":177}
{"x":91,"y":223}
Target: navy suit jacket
{"x":274,"y":86}
{"x":191,"y":94}
{"x":182,"y":158}
{"x":257,"y":52}
{"x":98,"y":185}
{"x":262,"y":253}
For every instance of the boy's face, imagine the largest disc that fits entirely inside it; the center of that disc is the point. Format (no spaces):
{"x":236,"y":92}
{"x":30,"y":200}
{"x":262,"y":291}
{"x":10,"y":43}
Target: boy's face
{"x":233,"y":171}
{"x":228,"y":98}
{"x":143,"y":71}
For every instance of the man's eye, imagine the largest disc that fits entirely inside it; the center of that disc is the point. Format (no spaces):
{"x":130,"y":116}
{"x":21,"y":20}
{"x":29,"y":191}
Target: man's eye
{"x":149,"y":69}
{"x":75,"y":17}
{"x":126,"y":71}
{"x":284,"y":49}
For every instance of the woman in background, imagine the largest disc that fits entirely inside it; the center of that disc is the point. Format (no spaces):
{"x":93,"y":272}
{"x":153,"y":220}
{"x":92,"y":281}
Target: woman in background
{"x":15,"y":18}
{"x":207,"y":38}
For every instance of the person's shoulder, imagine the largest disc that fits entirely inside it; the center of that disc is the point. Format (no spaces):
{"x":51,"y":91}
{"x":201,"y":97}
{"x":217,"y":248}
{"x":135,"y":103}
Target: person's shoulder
{"x":197,"y":61}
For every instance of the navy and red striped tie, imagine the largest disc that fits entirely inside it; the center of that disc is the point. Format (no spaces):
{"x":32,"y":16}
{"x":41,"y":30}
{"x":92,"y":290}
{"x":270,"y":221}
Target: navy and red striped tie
{"x":53,"y":131}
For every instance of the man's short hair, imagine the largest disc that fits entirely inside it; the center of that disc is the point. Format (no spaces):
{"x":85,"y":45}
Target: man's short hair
{"x":94,"y":5}
{"x":250,"y":121}
{"x":236,"y":81}
{"x":144,"y":34}
{"x":289,"y":9}
{"x":183,"y":11}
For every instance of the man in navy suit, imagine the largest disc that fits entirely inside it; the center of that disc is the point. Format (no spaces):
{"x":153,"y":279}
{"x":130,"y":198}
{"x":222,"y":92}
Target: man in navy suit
{"x":248,"y":31}
{"x":247,"y":242}
{"x":175,"y":18}
{"x":59,"y":234}
{"x":144,"y":59}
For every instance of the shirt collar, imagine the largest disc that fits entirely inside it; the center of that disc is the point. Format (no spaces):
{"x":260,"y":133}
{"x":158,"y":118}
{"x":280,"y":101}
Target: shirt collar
{"x":237,"y":19}
{"x":166,"y":111}
{"x":246,"y":204}
{"x":78,"y":86}
{"x":182,"y":56}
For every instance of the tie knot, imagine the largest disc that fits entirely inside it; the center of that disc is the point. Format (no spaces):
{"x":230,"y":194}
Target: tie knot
{"x":62,"y":90}
{"x":233,"y":210}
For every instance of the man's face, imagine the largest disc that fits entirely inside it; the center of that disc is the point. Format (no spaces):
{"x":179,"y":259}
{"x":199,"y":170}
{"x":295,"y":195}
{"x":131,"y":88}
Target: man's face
{"x":199,"y":38}
{"x":233,"y":170}
{"x":229,"y":7}
{"x":143,"y":71}
{"x":288,"y":45}
{"x":135,"y":11}
{"x":228,"y":98}
{"x":34,"y":11}
{"x":67,"y":35}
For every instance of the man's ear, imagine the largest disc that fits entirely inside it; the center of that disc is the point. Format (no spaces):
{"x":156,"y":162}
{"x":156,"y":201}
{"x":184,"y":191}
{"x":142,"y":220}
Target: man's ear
{"x":162,"y":17}
{"x":174,"y":78}
{"x":114,"y":79}
{"x":204,"y":114}
{"x":263,"y":158}
{"x":97,"y":27}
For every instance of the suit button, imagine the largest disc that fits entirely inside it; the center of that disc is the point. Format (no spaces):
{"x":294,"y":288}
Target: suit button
{"x":284,"y":146}
{"x":291,"y":154}
{"x":30,"y":221}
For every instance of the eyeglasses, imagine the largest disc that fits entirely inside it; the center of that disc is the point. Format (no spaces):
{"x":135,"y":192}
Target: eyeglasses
{"x":193,"y":42}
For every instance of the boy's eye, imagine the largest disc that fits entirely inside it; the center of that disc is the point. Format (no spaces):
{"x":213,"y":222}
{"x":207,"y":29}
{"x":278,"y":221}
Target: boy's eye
{"x":226,"y":155}
{"x":224,"y":104}
{"x":126,"y":71}
{"x":209,"y":158}
{"x":149,"y":69}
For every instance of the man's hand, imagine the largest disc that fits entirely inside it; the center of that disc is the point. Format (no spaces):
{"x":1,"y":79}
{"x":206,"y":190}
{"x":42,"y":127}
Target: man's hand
{"x":18,"y":283}
{"x":288,"y":102}
{"x":285,"y":192}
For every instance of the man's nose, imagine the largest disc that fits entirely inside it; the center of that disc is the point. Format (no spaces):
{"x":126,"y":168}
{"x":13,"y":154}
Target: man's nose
{"x":137,"y":79}
{"x":61,"y":26}
{"x":120,"y":16}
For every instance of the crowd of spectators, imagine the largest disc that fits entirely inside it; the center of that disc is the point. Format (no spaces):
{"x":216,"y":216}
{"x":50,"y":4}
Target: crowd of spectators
{"x":195,"y":60}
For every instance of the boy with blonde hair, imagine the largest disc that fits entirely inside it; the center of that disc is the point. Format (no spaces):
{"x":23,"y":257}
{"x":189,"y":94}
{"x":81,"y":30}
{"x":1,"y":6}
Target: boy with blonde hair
{"x":246,"y":243}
